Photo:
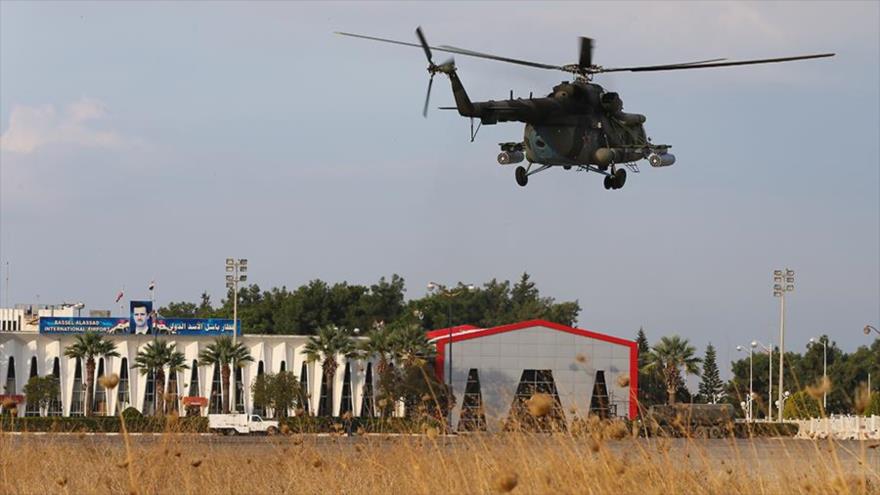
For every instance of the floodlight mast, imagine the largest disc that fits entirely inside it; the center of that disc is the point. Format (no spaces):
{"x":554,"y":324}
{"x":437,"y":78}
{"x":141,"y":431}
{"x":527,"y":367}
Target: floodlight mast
{"x":783,"y":281}
{"x":237,"y":268}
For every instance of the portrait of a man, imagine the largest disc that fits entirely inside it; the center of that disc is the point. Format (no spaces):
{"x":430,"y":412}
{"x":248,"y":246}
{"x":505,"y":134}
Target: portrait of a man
{"x":141,"y":317}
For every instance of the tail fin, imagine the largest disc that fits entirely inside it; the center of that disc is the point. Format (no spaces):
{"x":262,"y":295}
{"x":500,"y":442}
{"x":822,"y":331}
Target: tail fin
{"x":462,"y":102}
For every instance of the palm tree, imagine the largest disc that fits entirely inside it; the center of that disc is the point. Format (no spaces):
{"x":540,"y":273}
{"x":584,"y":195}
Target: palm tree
{"x":225,"y":353}
{"x":176,"y":364}
{"x":667,"y":358}
{"x":410,"y":345}
{"x":381,"y":345}
{"x":330,"y":342}
{"x":153,"y":358}
{"x":86,"y":347}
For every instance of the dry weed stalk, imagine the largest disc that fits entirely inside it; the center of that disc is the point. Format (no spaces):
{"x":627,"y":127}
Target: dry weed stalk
{"x":601,"y":458}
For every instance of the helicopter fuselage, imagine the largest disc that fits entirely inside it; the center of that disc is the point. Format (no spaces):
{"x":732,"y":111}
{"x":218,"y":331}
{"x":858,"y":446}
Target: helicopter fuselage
{"x":578,"y":124}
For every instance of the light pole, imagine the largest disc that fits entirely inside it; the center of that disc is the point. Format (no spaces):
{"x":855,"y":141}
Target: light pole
{"x":867,"y":330}
{"x":780,"y":404}
{"x":824,"y":342}
{"x":236,"y":271}
{"x":751,"y":394}
{"x":436,"y":288}
{"x":769,"y":350}
{"x":783,"y":281}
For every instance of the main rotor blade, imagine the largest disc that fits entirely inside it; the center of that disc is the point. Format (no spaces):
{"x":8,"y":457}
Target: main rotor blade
{"x":428,"y":97}
{"x":459,"y":51}
{"x":586,"y":53}
{"x":701,"y":65}
{"x":424,"y":43}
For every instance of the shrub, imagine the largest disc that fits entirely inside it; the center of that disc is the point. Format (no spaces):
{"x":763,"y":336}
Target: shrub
{"x":801,"y":405}
{"x":874,"y":405}
{"x":105,"y":424}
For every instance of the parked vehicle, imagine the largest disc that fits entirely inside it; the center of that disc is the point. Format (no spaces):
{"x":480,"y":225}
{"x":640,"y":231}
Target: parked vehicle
{"x":243,"y":424}
{"x":698,"y":420}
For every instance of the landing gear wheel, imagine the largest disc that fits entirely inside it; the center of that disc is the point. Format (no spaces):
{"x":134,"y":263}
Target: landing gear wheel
{"x":619,"y":178}
{"x":522,"y":177}
{"x":607,"y":182}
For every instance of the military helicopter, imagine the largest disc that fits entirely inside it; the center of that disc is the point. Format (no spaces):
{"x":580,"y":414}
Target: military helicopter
{"x":578,"y":125}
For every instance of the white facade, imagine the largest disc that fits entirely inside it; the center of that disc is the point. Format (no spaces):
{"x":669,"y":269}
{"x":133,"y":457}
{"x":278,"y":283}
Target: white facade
{"x":498,"y":357}
{"x":270,"y":351}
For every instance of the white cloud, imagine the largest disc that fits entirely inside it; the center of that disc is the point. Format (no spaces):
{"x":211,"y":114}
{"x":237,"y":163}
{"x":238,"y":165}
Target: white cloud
{"x":33,"y":127}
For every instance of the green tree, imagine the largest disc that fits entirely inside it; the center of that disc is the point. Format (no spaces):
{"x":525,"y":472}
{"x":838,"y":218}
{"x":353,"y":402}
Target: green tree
{"x":277,"y":392}
{"x":326,"y":346}
{"x":225,"y":354}
{"x":801,"y":406}
{"x":153,"y":358}
{"x":873,"y":405}
{"x":86,"y":347}
{"x":711,"y":385}
{"x":380,"y":345}
{"x":651,"y":389}
{"x":670,"y":357}
{"x":42,"y":390}
{"x":180,"y":309}
{"x":410,"y":346}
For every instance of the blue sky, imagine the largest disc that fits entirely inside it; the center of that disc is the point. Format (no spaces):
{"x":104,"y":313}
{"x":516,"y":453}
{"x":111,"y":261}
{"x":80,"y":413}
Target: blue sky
{"x":150,"y":141}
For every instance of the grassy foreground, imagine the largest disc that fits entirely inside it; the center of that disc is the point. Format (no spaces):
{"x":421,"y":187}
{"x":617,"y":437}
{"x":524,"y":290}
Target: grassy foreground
{"x":513,"y":462}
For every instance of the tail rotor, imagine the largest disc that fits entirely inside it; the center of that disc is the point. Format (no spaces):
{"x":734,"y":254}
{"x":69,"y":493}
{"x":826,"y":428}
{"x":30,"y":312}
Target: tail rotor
{"x":446,"y":67}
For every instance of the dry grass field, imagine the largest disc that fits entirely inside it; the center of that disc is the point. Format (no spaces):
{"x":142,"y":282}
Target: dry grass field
{"x":397,"y":465}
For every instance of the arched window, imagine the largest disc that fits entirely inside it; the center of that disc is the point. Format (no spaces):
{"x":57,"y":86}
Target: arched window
{"x":283,"y":365}
{"x":77,"y":396}
{"x":599,"y":399}
{"x":194,"y":389}
{"x":259,"y":410}
{"x":99,"y":403}
{"x":194,"y":380}
{"x":368,"y":410}
{"x":239,"y":389}
{"x":530,"y":383}
{"x":33,"y":407}
{"x":10,"y":377}
{"x":345,"y":400}
{"x":150,"y":395}
{"x":304,"y":385}
{"x":473,"y":418}
{"x":55,"y":405}
{"x":216,"y":404}
{"x":123,"y":390}
{"x":325,"y":401}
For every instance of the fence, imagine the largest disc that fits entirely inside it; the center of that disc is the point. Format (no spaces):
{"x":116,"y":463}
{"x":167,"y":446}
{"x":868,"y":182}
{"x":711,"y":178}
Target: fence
{"x":840,"y":427}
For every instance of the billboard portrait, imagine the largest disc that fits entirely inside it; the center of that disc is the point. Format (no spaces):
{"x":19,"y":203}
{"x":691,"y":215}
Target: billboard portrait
{"x":141,"y":317}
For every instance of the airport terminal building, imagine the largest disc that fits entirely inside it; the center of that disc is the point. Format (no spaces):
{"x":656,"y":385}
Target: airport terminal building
{"x":490,"y":368}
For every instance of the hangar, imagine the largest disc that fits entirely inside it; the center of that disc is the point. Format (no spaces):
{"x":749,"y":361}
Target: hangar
{"x":499,"y":368}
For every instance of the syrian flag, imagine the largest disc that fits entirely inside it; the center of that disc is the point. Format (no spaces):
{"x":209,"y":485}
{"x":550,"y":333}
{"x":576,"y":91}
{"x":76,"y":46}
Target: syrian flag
{"x":152,"y":285}
{"x":119,"y":296}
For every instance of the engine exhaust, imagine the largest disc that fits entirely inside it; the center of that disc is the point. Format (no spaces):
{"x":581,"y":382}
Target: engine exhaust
{"x":510,"y":157}
{"x":664,"y":160}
